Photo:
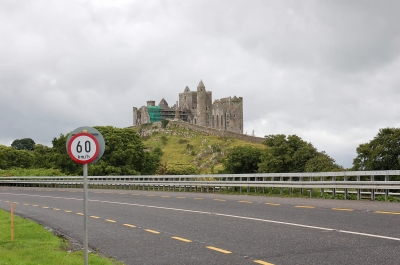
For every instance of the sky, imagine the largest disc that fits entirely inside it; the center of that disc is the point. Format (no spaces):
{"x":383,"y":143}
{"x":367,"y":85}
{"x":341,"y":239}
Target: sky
{"x":327,"y":71}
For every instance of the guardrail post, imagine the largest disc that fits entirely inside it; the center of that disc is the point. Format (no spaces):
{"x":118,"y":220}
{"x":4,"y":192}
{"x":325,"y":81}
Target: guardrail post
{"x":311,"y":179}
{"x":346,"y":192}
{"x":322,"y":189}
{"x":386,"y":191}
{"x":272,"y":186}
{"x":264,"y":186}
{"x":248,"y":186}
{"x":291,"y":189}
{"x":372,"y":190}
{"x":358,"y":190}
{"x":334,"y":189}
{"x":281,"y":189}
{"x":301,"y":189}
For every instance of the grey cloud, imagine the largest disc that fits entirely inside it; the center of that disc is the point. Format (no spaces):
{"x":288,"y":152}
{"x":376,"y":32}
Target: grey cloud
{"x":326,"y":71}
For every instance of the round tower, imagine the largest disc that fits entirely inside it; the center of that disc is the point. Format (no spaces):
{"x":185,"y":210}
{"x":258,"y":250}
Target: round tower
{"x":201,"y":104}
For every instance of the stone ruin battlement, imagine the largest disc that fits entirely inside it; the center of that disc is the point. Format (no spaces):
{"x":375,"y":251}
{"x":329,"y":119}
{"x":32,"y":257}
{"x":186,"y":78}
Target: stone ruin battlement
{"x":197,"y":108}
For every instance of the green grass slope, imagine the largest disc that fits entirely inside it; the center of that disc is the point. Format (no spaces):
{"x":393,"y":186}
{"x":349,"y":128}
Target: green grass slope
{"x":187,"y":147}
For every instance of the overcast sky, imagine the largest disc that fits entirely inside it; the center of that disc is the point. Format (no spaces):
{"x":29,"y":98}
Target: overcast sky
{"x":327,"y":71}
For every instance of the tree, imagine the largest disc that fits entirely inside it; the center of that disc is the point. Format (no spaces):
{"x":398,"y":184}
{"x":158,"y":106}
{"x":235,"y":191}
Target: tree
{"x":43,"y":156}
{"x":322,"y":163}
{"x":23,"y":144}
{"x":60,"y":158}
{"x":285,"y":154}
{"x":242,"y":159}
{"x":10,"y":157}
{"x":381,"y":153}
{"x":124,"y":155}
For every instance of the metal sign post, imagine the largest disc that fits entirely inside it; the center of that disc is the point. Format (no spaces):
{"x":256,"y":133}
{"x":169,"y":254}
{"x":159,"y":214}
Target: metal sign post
{"x":85,"y":145}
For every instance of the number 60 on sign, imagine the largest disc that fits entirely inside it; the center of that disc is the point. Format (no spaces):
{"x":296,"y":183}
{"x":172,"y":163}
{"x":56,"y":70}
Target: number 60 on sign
{"x":83,"y":148}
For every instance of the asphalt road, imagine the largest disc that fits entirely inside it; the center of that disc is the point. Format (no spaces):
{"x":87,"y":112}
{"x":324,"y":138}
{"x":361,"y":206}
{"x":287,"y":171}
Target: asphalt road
{"x":147,"y":227}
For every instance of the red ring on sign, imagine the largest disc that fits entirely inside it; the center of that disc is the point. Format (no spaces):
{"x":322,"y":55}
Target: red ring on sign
{"x":76,"y":159}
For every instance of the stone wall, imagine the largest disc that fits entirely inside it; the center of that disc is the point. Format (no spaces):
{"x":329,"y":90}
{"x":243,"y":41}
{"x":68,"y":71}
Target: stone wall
{"x":217,"y":132}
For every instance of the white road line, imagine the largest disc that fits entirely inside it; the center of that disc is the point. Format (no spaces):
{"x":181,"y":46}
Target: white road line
{"x":226,"y":215}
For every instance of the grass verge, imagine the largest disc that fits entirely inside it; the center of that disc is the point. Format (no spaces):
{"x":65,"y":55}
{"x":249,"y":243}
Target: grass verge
{"x":33,"y":244}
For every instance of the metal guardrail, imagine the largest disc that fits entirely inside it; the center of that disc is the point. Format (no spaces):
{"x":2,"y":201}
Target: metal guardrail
{"x":370,"y":183}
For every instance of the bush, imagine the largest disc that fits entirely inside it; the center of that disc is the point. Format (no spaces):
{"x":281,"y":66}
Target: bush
{"x":24,"y":172}
{"x":183,"y":141}
{"x":178,"y":169}
{"x":389,"y":198}
{"x":164,"y":123}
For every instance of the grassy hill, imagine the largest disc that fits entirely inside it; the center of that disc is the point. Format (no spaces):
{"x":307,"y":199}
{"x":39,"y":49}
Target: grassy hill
{"x":186,"y":147}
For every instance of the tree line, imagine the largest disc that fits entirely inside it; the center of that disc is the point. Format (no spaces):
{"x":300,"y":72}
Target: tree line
{"x":290,"y":154}
{"x":125,"y":154}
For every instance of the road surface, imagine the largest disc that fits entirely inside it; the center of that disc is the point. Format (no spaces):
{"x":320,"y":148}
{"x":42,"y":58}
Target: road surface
{"x":150,"y":227}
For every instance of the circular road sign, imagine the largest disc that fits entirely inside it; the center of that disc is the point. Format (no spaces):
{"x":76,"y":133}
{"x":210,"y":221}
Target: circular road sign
{"x":83,"y":148}
{"x":93,"y":132}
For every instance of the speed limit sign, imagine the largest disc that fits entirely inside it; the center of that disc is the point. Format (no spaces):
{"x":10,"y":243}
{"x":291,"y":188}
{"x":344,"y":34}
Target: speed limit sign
{"x":85,"y":145}
{"x":83,"y":148}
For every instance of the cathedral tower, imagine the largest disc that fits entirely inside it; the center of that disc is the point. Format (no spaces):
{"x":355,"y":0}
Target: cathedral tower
{"x":204,"y":99}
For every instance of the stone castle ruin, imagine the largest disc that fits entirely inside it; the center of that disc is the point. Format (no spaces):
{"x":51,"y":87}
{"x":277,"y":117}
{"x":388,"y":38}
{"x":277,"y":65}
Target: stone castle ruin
{"x":196,"y":107}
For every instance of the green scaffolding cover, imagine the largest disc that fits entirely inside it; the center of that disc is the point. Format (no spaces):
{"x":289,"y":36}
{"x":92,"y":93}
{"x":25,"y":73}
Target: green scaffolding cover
{"x":154,"y":113}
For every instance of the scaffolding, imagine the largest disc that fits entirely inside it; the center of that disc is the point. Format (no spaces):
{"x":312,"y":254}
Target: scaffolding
{"x":154,"y":113}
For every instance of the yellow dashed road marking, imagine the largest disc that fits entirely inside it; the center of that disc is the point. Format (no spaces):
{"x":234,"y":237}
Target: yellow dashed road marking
{"x":220,"y":200}
{"x":56,"y":209}
{"x":135,"y":194}
{"x":180,"y":197}
{"x":7,"y":201}
{"x":219,"y":250}
{"x":79,"y":213}
{"x":97,"y":192}
{"x":67,"y":211}
{"x":343,"y":209}
{"x":304,"y":206}
{"x":198,"y":198}
{"x":26,"y":204}
{"x":122,"y":193}
{"x":182,"y":239}
{"x":111,"y":221}
{"x":95,"y":217}
{"x":273,"y":204}
{"x":45,"y":207}
{"x":387,"y":212}
{"x":129,"y":225}
{"x":35,"y":205}
{"x":245,"y":201}
{"x":262,"y":262}
{"x":151,"y":231}
{"x":16,"y":202}
{"x":165,"y":196}
{"x":150,"y":195}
